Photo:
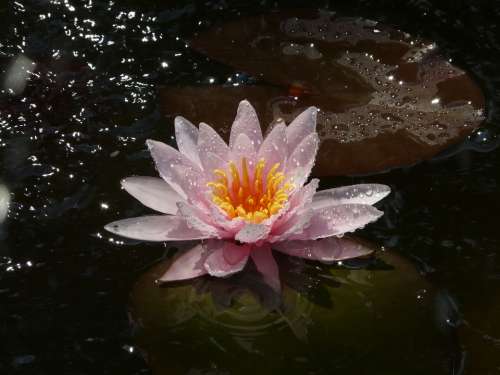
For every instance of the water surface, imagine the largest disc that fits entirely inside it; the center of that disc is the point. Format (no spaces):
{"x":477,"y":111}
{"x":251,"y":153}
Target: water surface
{"x":79,"y":126}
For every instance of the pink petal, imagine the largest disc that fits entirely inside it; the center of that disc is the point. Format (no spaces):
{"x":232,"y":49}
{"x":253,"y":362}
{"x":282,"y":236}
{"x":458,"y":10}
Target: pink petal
{"x":337,"y":220}
{"x":212,"y":162}
{"x":300,"y":128}
{"x":166,"y":158}
{"x":152,"y":192}
{"x":192,"y":183}
{"x":266,"y":264}
{"x":225,"y":258}
{"x":186,"y":265}
{"x":186,"y":135}
{"x":301,"y":198}
{"x":197,"y":219}
{"x":362,"y":194}
{"x":326,"y":250}
{"x":301,"y":161}
{"x":246,"y":122}
{"x":210,"y":141}
{"x":274,"y":148}
{"x":242,"y":147}
{"x":294,"y":226}
{"x":251,"y":233}
{"x":156,"y":228}
{"x":230,"y":226}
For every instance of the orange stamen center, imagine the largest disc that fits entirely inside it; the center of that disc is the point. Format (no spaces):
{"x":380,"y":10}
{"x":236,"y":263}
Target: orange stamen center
{"x":248,"y":193}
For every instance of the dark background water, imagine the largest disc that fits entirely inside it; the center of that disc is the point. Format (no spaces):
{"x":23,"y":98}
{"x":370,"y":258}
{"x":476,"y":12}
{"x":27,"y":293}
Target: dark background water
{"x":80,"y":124}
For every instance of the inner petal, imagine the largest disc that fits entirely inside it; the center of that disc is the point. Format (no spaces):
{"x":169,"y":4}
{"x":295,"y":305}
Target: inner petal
{"x":249,"y":192}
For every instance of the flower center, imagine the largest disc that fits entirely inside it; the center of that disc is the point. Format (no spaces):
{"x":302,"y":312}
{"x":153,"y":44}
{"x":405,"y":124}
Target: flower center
{"x":249,"y":194}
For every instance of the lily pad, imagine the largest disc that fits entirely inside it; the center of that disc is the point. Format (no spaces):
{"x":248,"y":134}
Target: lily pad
{"x":327,"y":318}
{"x":387,"y":99}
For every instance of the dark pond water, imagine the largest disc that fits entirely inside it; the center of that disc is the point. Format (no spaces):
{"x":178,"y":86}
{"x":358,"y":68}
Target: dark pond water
{"x":75,"y":300}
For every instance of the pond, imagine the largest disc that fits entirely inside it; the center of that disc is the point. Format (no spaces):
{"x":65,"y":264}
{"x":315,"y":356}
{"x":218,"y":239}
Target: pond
{"x":85,"y":83}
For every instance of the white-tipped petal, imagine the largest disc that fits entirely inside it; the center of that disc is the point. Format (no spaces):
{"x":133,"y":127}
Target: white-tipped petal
{"x":156,"y":228}
{"x":246,"y":122}
{"x":301,"y":161}
{"x":274,"y":149}
{"x":209,"y":141}
{"x":153,"y":192}
{"x":251,"y":233}
{"x":339,"y":219}
{"x":303,"y":125}
{"x":166,"y":158}
{"x":362,"y":194}
{"x":186,"y":135}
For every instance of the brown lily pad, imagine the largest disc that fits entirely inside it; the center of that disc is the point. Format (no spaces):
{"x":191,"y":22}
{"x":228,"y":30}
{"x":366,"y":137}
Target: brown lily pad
{"x":386,"y":99}
{"x":326,"y":317}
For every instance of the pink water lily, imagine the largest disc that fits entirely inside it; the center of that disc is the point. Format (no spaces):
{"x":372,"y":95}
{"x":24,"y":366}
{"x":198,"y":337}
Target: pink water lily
{"x":245,"y":198}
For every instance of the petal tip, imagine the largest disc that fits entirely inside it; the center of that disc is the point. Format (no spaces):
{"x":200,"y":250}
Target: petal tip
{"x":112,"y":227}
{"x":150,"y":143}
{"x":124,"y":182}
{"x":385,"y":190}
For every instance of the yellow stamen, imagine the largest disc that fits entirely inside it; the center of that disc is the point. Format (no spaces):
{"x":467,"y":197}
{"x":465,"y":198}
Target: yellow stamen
{"x":247,"y":194}
{"x":246,"y":179}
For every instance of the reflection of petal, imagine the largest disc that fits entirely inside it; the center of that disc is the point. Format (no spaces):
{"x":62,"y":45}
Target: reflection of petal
{"x":326,"y":250}
{"x":155,"y":228}
{"x":361,"y":194}
{"x":266,"y":265}
{"x":153,"y":192}
{"x":188,"y":265}
{"x":226,"y":258}
{"x":225,"y":290}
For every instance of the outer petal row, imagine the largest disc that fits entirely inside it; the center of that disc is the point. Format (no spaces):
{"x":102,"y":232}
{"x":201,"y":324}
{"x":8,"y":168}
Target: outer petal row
{"x":360,"y":194}
{"x":337,"y":220}
{"x":222,"y":258}
{"x":153,"y":192}
{"x":186,"y":135}
{"x":327,"y":250}
{"x":156,"y":228}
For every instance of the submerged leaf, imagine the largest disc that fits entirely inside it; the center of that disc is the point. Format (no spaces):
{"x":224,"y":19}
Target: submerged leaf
{"x":347,"y":315}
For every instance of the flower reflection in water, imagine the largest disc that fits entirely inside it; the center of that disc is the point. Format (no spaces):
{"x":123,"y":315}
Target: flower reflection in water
{"x":327,"y":316}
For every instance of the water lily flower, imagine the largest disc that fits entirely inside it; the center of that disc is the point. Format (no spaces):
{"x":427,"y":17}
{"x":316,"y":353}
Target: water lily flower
{"x":245,"y":199}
